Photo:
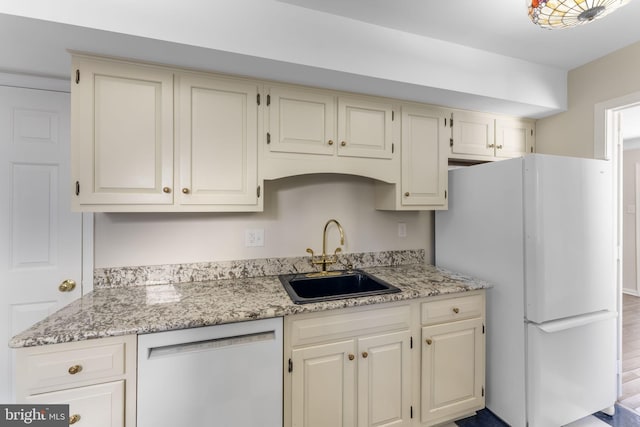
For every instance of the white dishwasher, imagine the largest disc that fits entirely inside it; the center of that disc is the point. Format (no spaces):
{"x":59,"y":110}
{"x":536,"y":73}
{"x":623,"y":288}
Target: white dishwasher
{"x":225,"y":375}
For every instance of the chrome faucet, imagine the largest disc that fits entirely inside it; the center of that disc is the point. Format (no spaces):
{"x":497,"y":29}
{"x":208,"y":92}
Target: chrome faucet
{"x":324,"y":259}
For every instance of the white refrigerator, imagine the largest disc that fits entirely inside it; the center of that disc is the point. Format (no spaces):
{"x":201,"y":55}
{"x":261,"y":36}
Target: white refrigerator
{"x":540,"y":229}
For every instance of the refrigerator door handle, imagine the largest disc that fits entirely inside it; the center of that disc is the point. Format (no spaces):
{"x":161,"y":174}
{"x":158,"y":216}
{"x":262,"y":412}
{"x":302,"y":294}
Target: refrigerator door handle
{"x":572,"y":322}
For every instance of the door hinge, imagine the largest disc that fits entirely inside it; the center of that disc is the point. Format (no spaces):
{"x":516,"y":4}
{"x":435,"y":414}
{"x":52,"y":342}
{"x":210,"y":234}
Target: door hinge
{"x":411,"y":412}
{"x":451,"y":121}
{"x":258,"y":192}
{"x":482,"y":391}
{"x":258,"y":99}
{"x":77,"y":76}
{"x":268,"y":100}
{"x":445,"y":122}
{"x":445,"y":194}
{"x":393,"y":115}
{"x":483,"y":328}
{"x":290,"y":365}
{"x":450,"y":142}
{"x":77,"y":188}
{"x":268,"y":138}
{"x":393,"y":148}
{"x":531,"y":132}
{"x":410,"y":342}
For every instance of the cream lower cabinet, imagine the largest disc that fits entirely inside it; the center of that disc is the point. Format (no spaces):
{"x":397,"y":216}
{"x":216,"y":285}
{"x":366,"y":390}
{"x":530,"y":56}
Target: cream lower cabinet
{"x":453,"y":359}
{"x":365,"y":366}
{"x":349,"y":369}
{"x":97,"y":378}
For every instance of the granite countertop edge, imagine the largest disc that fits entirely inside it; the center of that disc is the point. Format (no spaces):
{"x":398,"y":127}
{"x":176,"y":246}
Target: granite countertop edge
{"x":114,"y":312}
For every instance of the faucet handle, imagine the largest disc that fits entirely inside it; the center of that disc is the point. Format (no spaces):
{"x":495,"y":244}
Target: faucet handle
{"x":309,"y":250}
{"x":338,"y":249}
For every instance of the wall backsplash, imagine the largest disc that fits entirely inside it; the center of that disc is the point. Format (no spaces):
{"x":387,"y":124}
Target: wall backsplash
{"x":199,"y":272}
{"x":295,"y":212}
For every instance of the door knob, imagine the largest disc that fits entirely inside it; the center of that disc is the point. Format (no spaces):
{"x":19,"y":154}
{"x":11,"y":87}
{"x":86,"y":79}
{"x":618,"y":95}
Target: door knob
{"x":67,"y":286}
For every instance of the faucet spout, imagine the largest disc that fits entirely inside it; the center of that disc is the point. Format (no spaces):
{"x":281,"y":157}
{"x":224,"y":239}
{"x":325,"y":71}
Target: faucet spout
{"x":324,"y":236}
{"x":324,"y":259}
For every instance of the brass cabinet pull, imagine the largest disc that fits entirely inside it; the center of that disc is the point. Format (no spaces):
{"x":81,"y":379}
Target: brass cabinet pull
{"x":343,"y":143}
{"x":330,"y":142}
{"x":75,"y":369}
{"x":456,"y":310}
{"x":351,"y":357}
{"x":67,"y":286}
{"x":185,"y":191}
{"x":166,"y":190}
{"x":74,"y":419}
{"x":365,"y":354}
{"x":428,"y":341}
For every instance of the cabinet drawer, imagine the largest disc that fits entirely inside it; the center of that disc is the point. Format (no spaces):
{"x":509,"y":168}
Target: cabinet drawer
{"x":451,"y":309}
{"x":321,"y":328}
{"x":69,"y":367}
{"x":99,"y":405}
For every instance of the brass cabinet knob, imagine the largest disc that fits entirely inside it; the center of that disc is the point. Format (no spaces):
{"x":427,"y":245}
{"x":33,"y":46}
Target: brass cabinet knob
{"x":74,"y":419}
{"x":185,"y":191}
{"x":67,"y":286}
{"x":365,"y":354}
{"x":166,"y":190}
{"x":351,"y":357}
{"x":499,"y":147}
{"x":75,"y":369}
{"x":492,"y":145}
{"x":330,"y":142}
{"x":343,"y":143}
{"x":428,"y":341}
{"x":407,"y":194}
{"x":456,"y":310}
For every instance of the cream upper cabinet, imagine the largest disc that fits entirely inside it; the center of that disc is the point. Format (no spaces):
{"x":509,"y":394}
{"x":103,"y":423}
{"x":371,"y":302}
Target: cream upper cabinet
{"x":148,"y":138}
{"x":514,"y":137}
{"x":425,"y":139}
{"x":319,"y":131}
{"x":365,"y":128}
{"x":301,"y":121}
{"x":453,"y":358}
{"x":217,"y":141}
{"x":122,"y":133}
{"x":485,"y":137}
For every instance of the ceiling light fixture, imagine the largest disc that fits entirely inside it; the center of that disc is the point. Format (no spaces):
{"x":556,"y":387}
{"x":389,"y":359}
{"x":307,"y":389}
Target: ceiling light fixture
{"x":569,"y":13}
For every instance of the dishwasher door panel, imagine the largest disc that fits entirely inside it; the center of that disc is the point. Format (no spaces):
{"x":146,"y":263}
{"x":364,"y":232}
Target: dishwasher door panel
{"x":223,"y":375}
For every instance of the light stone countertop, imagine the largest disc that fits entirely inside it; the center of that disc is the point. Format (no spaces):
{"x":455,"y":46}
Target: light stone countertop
{"x":143,"y":309}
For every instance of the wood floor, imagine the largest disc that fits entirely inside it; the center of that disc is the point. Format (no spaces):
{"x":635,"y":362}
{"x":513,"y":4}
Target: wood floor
{"x":630,"y":352}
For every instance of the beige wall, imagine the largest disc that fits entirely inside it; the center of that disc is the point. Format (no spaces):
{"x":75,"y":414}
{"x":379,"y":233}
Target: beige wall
{"x":296,"y":210}
{"x":630,"y":163}
{"x":572,"y":133}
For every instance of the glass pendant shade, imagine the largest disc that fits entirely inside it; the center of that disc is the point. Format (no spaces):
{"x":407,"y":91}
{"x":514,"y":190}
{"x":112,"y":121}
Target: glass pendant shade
{"x":569,"y":13}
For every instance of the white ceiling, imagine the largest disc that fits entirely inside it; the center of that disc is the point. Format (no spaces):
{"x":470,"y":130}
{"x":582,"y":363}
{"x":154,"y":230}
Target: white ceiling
{"x":455,"y":53}
{"x":499,"y":26}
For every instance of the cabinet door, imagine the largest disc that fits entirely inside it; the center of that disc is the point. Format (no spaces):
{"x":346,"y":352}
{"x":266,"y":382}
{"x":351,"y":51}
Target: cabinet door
{"x":384,"y":380}
{"x":323,"y":385}
{"x":301,"y":122}
{"x":364,"y":128}
{"x":473,"y":134}
{"x":122,"y":134}
{"x":424,"y":156}
{"x":452,"y":370}
{"x":514,"y":137}
{"x":218,"y":141}
{"x":99,"y":405}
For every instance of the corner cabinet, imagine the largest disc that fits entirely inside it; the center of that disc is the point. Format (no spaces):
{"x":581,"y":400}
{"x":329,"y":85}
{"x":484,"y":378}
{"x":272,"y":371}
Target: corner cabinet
{"x":131,"y":151}
{"x":96,"y":378}
{"x":423,"y":183}
{"x":485,"y":137}
{"x":365,"y":366}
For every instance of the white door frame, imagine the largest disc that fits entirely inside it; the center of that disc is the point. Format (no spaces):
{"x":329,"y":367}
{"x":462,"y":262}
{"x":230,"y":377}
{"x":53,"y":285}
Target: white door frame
{"x":608,"y":146}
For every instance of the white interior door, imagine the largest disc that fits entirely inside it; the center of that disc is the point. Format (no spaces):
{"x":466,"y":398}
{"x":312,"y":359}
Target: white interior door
{"x":41,"y":244}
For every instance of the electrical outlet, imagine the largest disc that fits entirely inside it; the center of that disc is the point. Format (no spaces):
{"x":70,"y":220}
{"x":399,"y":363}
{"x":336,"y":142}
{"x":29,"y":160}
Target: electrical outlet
{"x":402,"y":229}
{"x":254,"y":237}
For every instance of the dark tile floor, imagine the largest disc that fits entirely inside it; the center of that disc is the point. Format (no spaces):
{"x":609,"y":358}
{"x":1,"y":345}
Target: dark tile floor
{"x":485,"y":418}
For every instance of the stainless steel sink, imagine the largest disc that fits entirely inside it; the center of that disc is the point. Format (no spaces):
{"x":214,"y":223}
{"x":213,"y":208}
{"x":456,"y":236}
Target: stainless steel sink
{"x":315,"y":287}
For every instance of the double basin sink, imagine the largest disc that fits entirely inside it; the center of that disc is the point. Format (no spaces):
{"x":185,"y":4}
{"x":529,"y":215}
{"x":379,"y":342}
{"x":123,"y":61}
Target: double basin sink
{"x":325,"y":286}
